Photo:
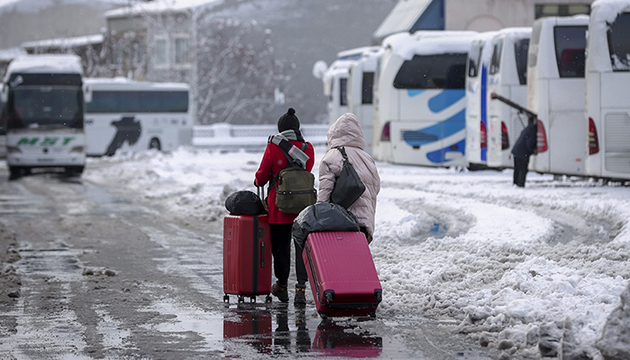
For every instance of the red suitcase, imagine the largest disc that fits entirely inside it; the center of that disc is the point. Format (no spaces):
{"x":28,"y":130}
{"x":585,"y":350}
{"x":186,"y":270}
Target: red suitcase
{"x":342,"y":274}
{"x":246,"y":257}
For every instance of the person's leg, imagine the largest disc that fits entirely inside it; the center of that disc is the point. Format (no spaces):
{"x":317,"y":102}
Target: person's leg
{"x":364,"y":230}
{"x":525,"y":170}
{"x":300,"y":268}
{"x":522,"y":172}
{"x":516,"y":171}
{"x":302,"y":277}
{"x":281,"y":251}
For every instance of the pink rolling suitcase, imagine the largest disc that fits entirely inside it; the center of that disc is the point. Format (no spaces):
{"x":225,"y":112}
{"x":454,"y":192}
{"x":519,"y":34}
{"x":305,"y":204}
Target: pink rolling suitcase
{"x":246,"y":257}
{"x":342,"y":274}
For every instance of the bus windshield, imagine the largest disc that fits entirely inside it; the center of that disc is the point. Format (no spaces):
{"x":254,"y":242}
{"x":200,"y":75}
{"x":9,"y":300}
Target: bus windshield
{"x":619,"y":44}
{"x":46,"y":107}
{"x":440,"y":71}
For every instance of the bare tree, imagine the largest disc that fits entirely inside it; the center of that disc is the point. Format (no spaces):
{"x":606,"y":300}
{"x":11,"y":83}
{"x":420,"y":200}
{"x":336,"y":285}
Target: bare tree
{"x":239,"y":79}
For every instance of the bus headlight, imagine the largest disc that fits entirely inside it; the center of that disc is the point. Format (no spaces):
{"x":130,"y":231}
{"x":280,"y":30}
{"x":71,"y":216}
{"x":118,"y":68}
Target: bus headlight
{"x":78,"y":149}
{"x":13,"y":150}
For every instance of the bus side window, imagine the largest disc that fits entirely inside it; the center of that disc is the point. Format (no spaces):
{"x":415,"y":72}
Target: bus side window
{"x":618,"y":43}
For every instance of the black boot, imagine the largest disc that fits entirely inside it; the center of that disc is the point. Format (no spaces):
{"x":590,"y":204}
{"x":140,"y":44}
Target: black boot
{"x":300,"y":296}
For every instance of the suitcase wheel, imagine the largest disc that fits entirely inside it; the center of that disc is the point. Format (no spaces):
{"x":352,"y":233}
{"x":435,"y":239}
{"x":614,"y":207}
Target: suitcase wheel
{"x":268,"y":299}
{"x":241,"y":299}
{"x":226,"y":298}
{"x":329,"y":295}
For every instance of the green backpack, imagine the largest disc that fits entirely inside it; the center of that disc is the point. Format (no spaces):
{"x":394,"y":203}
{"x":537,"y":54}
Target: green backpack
{"x":295,"y":187}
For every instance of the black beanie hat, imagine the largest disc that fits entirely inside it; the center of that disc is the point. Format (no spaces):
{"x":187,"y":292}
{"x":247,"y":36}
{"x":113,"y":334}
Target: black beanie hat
{"x":288,"y":121}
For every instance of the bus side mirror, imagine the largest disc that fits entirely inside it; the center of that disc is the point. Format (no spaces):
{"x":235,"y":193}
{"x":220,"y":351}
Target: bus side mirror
{"x":319,"y":68}
{"x":4,"y":95}
{"x":87,"y":94}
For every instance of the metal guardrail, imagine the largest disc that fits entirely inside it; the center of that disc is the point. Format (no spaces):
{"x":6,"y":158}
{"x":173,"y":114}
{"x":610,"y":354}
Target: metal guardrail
{"x":224,"y":136}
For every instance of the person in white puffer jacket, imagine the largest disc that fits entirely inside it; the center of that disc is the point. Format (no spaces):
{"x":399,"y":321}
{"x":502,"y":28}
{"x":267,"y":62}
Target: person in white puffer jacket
{"x":347,"y":132}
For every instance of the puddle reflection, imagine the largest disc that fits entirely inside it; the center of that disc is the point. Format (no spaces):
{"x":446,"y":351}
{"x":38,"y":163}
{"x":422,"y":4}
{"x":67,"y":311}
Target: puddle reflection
{"x":252,"y":325}
{"x":333,"y":339}
{"x":279,"y":332}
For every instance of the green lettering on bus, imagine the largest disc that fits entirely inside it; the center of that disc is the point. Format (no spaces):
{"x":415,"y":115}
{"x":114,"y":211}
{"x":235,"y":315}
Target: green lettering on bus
{"x":67,"y":140}
{"x":27,"y":141}
{"x":49,"y":141}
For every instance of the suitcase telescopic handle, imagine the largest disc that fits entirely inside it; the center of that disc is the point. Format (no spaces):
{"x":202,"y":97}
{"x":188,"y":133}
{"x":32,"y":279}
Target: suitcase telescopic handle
{"x":262,"y":254}
{"x":261,"y":195}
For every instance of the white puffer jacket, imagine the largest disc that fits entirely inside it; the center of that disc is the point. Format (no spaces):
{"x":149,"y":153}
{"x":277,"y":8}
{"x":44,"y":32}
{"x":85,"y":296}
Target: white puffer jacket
{"x":347,"y":132}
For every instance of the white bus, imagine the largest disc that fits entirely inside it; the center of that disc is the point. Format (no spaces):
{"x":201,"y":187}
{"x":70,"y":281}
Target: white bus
{"x":507,"y":77}
{"x":131,"y":116}
{"x":3,"y":130}
{"x":360,"y":94}
{"x":556,"y":92}
{"x":476,"y":100}
{"x":608,"y":90}
{"x":335,"y":80}
{"x":420,"y":106}
{"x":44,"y":113}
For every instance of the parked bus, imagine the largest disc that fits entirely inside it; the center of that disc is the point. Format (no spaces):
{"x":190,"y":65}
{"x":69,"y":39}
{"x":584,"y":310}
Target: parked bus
{"x":476,"y":100}
{"x":44,"y":113}
{"x":335,"y":79}
{"x":508,"y":78}
{"x":556,"y":92}
{"x":608,"y":89}
{"x":360,"y":94}
{"x":131,"y":116}
{"x":420,"y":98}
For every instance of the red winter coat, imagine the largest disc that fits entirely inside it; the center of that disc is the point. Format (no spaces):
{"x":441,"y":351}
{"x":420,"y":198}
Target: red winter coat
{"x":272,"y":162}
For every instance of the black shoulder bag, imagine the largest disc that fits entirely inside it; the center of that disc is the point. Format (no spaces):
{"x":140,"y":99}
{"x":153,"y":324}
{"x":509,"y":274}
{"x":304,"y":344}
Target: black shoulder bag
{"x":348,"y":185}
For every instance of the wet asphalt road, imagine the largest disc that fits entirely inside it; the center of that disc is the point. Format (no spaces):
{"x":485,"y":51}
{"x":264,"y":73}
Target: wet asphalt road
{"x":105,"y":274}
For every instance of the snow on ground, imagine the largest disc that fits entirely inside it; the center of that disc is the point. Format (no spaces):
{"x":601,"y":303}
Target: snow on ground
{"x":499,"y":262}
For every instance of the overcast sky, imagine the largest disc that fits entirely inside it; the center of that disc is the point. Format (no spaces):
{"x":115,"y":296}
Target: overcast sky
{"x":4,"y":2}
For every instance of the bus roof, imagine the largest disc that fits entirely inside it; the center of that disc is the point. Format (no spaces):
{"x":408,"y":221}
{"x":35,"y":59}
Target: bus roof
{"x":121,"y":83}
{"x":36,"y":64}
{"x":357,"y":53}
{"x":515,"y":33}
{"x":429,"y":42}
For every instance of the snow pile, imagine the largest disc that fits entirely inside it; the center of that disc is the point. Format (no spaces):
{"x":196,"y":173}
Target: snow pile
{"x":615,"y":339}
{"x":532,"y":271}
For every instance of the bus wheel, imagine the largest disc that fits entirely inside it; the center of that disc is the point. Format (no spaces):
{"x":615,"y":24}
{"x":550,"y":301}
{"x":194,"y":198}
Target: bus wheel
{"x":155,"y":144}
{"x":74,"y":170}
{"x":14,"y":173}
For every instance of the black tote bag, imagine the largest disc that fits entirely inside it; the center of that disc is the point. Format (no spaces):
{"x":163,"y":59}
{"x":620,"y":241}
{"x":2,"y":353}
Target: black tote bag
{"x":348,"y":186}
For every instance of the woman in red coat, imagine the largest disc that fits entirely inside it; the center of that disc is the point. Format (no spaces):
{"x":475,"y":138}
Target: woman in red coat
{"x":280,"y":223}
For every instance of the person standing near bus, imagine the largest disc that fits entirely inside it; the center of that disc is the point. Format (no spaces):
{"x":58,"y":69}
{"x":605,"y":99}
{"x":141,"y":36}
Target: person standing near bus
{"x":274,"y":160}
{"x":524,"y":147}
